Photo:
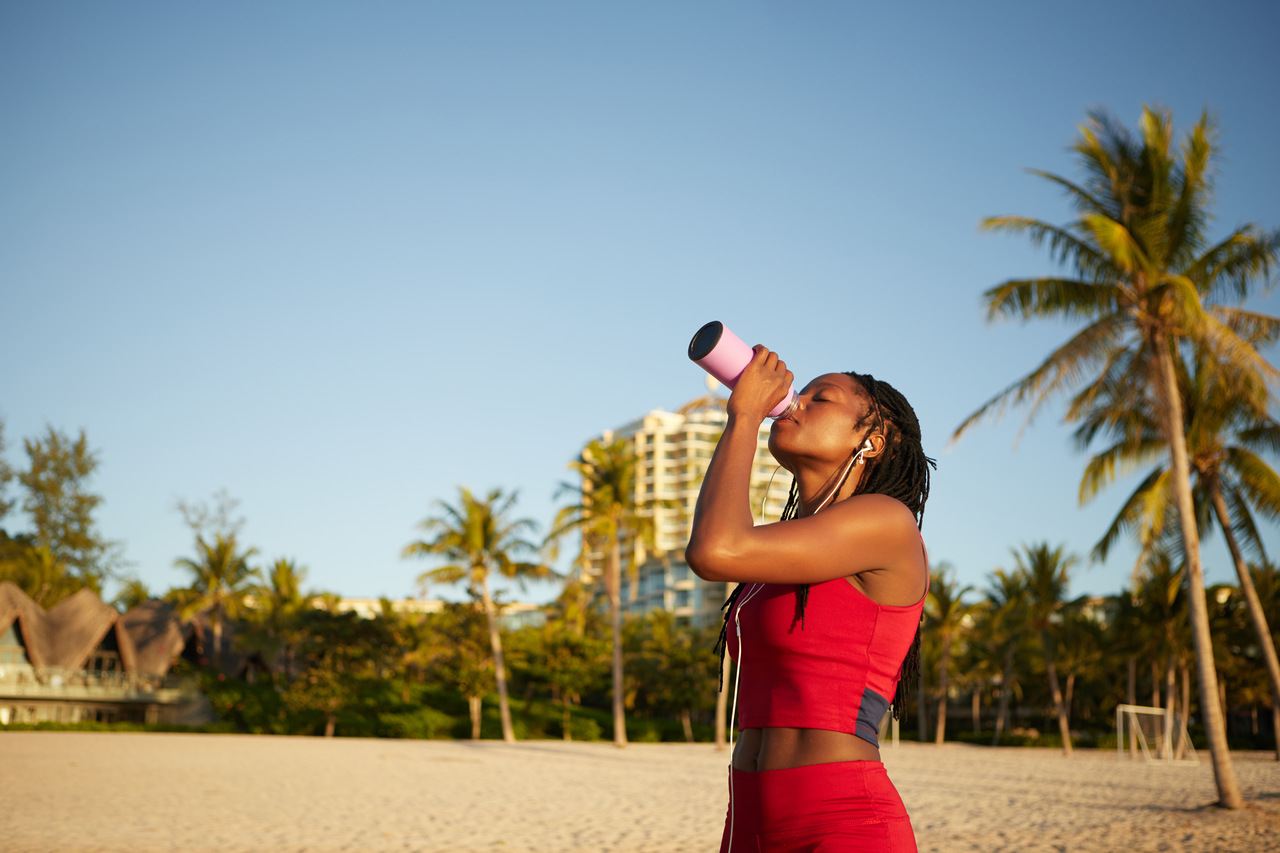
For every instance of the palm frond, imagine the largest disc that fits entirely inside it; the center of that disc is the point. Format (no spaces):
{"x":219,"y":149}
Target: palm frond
{"x":1255,"y":480}
{"x":1229,"y":268}
{"x":1118,"y":460}
{"x":1117,"y":241}
{"x":1082,"y":199}
{"x":1064,"y":247}
{"x":1255,"y":328}
{"x":1064,"y":366}
{"x":1142,"y":510}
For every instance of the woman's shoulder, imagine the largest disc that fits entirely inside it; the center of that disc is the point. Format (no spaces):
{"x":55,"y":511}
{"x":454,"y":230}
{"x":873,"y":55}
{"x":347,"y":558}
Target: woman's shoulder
{"x":882,"y":508}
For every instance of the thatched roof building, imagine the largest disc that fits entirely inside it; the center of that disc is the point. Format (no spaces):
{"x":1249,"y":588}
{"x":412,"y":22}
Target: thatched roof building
{"x":67,"y":634}
{"x":82,"y":659}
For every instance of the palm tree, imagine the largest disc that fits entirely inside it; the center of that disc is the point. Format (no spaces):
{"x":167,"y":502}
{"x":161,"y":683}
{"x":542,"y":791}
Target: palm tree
{"x":133,"y":591}
{"x":1146,"y":281}
{"x":222,"y":580}
{"x":1225,"y":438}
{"x":607,"y":515}
{"x":1080,"y":651}
{"x":1006,"y":622}
{"x":1047,"y":575}
{"x":478,"y":537}
{"x":1159,"y":597}
{"x":947,"y":612}
{"x":278,"y":609}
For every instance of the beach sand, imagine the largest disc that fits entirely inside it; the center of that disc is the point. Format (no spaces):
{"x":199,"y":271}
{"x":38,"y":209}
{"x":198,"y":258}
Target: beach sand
{"x":70,"y":791}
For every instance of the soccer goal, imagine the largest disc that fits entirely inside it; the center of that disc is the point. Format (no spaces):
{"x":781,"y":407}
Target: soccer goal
{"x":1159,"y":734}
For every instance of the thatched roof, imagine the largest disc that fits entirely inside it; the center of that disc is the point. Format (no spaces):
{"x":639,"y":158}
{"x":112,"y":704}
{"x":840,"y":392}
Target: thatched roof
{"x":156,"y":636}
{"x":148,"y":636}
{"x":75,"y":626}
{"x":199,"y":630}
{"x":17,"y":606}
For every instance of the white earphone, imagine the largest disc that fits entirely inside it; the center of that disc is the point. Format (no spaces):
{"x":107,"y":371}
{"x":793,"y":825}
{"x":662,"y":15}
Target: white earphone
{"x":866,"y":445}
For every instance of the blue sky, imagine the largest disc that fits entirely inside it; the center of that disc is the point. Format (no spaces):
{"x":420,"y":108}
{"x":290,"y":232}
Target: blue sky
{"x":340,"y":259}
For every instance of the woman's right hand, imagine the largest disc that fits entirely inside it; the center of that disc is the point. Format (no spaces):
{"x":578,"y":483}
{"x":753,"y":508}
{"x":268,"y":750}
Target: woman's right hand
{"x":762,"y":385}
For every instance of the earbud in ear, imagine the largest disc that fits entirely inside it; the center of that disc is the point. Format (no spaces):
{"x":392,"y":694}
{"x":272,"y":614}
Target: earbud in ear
{"x":857,"y":457}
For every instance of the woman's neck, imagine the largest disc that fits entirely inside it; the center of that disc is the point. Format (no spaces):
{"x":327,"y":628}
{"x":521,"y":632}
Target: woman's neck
{"x":817,"y":489}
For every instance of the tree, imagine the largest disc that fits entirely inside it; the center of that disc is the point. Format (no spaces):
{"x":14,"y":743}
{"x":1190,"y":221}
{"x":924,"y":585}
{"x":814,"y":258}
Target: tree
{"x":221,"y":580}
{"x":1146,"y":281}
{"x":1160,"y":598}
{"x":467,"y":666}
{"x":1046,"y":571}
{"x":607,"y":515}
{"x":678,"y":667}
{"x":947,"y":613}
{"x":479,"y":537}
{"x":342,"y":651}
{"x":1006,"y":623}
{"x":277,"y":614}
{"x":571,"y":662}
{"x":1225,"y":441}
{"x":209,"y":522}
{"x":62,"y":508}
{"x":133,"y":591}
{"x":35,"y":570}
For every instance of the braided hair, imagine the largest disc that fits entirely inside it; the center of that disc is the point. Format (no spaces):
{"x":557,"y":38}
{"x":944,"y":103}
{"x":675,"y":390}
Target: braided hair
{"x":901,"y":471}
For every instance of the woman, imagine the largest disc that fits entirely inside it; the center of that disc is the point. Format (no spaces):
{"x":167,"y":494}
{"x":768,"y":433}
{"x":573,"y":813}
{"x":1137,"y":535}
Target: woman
{"x":827,"y":607}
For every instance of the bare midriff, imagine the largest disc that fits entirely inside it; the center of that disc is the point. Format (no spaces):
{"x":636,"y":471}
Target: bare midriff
{"x":778,"y":748}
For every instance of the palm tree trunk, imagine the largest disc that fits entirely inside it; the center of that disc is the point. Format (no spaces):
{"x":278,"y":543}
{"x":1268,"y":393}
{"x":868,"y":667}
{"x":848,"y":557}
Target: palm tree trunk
{"x":499,"y":668}
{"x":1063,"y":728}
{"x":1131,"y":696}
{"x":615,"y":613}
{"x":940,"y":732}
{"x":923,"y":719}
{"x":1169,"y":674}
{"x":1256,"y":615}
{"x":1071,"y":693}
{"x":688,"y":725}
{"x":1184,"y":710}
{"x":473,"y":705}
{"x":1223,"y":771}
{"x":977,"y":709}
{"x":216,"y":620}
{"x":1004,"y":695}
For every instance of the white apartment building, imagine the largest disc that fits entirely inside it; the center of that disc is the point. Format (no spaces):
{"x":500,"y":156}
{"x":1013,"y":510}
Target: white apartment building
{"x":673,"y":450}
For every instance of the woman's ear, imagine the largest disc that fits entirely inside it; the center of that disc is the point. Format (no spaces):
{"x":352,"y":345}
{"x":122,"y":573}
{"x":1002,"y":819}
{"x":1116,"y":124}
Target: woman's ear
{"x":872,"y":447}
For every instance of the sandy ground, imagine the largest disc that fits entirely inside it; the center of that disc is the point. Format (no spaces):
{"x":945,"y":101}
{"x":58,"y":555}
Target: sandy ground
{"x":156,"y":792}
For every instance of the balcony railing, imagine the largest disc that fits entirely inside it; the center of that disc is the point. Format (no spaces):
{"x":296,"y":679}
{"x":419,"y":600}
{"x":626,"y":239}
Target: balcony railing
{"x":60,"y":683}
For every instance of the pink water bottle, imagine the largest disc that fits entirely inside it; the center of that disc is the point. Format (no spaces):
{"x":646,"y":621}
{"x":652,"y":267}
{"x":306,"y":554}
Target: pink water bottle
{"x":724,"y":355}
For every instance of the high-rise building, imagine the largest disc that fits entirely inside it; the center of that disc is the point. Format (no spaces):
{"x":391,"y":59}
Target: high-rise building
{"x":672,"y":452}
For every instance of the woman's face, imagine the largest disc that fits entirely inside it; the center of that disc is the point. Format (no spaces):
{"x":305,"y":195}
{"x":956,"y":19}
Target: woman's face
{"x":825,"y":425}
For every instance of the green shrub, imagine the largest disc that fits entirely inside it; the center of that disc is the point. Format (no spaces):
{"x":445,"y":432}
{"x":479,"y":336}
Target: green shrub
{"x":584,"y":728}
{"x":419,"y":724}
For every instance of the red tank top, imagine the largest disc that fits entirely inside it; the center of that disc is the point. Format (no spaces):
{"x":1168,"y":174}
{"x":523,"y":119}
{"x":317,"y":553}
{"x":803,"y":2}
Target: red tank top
{"x":837,"y":672}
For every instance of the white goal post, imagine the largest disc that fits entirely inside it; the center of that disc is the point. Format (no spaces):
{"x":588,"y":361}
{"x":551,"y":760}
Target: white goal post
{"x":1160,"y":734}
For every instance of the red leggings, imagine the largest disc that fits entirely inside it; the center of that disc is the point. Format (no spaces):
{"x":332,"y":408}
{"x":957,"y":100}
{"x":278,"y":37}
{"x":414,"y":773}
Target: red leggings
{"x":819,"y":808}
